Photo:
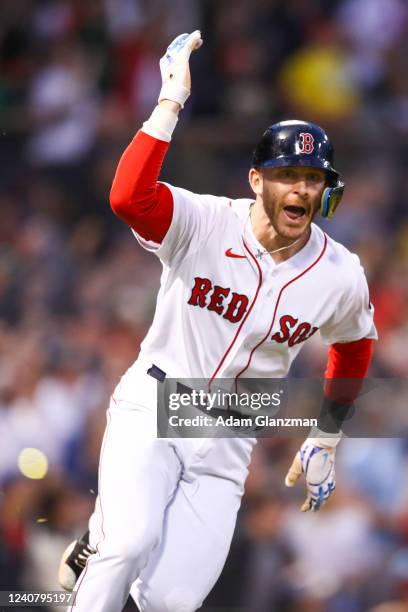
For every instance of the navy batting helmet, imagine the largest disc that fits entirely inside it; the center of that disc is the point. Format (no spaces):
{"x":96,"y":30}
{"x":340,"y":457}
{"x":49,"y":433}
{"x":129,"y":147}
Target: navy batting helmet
{"x":300,"y":143}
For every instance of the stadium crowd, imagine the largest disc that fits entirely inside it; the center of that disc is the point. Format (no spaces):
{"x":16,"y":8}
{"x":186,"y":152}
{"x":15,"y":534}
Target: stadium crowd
{"x":77,"y":294}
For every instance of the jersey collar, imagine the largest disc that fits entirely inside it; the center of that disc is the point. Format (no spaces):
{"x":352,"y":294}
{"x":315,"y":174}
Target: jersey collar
{"x":297,"y":262}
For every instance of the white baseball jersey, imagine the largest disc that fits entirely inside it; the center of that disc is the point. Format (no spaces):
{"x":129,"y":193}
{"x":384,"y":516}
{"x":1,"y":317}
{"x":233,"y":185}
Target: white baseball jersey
{"x":167,"y":507}
{"x":225,"y":309}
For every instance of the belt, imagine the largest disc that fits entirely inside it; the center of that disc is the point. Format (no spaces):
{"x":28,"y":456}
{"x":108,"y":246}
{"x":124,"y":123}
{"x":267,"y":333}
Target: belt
{"x":157,"y":373}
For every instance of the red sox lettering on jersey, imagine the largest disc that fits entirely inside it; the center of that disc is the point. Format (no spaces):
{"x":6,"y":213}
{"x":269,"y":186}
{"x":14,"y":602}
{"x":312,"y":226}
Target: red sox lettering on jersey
{"x":233,"y":310}
{"x":292,"y":332}
{"x":237,"y":303}
{"x":240,"y":315}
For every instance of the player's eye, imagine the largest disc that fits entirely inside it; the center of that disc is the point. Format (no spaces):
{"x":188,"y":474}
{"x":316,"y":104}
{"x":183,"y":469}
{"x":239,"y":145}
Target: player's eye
{"x":288,"y":173}
{"x":315,"y":177}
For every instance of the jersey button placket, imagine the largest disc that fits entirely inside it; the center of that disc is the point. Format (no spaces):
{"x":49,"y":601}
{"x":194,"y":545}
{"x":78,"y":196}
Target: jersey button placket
{"x":271,"y":281}
{"x":244,"y":342}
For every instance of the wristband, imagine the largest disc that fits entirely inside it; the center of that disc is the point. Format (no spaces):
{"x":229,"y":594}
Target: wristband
{"x":174,"y":92}
{"x":161,"y":123}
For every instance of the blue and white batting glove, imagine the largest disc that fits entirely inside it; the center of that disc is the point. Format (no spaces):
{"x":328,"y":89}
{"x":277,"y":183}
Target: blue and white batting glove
{"x":315,"y":460}
{"x":175,"y":69}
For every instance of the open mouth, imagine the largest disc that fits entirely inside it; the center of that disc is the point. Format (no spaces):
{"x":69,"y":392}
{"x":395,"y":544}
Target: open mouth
{"x":294,"y":212}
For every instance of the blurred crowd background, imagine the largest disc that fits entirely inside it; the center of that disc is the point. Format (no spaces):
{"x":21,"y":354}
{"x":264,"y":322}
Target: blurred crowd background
{"x":77,"y":294}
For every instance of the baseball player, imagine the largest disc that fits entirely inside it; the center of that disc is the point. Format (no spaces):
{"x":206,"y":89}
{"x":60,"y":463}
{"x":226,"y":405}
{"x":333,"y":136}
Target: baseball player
{"x":245,"y":283}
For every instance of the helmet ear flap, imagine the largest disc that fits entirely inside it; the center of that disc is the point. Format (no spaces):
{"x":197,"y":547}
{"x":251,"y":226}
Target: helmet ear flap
{"x":331,"y":197}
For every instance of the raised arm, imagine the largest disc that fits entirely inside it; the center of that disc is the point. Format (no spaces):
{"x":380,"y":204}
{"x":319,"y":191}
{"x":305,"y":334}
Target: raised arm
{"x":136,"y":196}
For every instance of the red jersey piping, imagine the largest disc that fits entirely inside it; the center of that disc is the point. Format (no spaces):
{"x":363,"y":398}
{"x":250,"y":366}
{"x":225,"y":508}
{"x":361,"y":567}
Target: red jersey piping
{"x":246,"y":316}
{"x":277,"y":304}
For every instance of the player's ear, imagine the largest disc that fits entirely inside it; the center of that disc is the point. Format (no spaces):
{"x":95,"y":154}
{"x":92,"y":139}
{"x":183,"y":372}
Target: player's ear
{"x":256,"y":181}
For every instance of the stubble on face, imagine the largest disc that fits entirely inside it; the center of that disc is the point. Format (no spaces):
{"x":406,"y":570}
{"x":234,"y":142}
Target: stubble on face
{"x":285,"y":228}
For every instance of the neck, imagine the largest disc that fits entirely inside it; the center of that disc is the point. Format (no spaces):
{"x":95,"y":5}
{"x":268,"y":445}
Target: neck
{"x":266,"y":234}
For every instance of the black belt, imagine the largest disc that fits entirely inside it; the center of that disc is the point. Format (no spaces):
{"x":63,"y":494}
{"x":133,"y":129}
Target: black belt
{"x":156,"y":373}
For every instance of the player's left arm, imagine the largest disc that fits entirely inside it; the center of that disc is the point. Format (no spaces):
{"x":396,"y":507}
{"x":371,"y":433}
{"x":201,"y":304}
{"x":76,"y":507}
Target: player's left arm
{"x":348,"y":363}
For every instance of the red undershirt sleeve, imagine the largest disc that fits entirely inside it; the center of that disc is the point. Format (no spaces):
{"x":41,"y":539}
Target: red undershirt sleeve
{"x":347,"y":366}
{"x":136,"y":197}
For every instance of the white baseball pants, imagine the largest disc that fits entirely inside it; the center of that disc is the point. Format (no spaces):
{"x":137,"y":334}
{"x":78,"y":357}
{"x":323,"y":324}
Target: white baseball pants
{"x":166,"y":510}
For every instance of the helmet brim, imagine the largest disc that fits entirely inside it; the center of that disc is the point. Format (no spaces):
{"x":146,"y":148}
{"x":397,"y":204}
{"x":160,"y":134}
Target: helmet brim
{"x":300,"y":161}
{"x":297,"y":160}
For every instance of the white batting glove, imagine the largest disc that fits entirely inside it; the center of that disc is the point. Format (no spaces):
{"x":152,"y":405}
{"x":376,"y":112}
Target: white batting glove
{"x":316,"y":461}
{"x":175,"y":69}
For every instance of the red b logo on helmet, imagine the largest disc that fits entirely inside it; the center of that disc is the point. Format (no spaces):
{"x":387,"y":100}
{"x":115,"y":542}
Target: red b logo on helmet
{"x":306,"y":142}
